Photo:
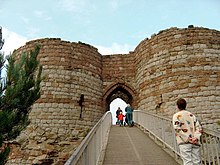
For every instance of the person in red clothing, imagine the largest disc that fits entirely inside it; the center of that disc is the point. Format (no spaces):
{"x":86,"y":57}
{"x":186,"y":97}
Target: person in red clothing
{"x":117,"y":113}
{"x":121,"y":118}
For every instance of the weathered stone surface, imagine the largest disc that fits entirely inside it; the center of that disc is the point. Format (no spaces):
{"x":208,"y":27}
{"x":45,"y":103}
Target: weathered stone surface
{"x":171,"y":64}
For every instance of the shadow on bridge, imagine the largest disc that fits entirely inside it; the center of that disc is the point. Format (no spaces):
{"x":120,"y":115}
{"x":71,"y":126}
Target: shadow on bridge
{"x":131,"y":146}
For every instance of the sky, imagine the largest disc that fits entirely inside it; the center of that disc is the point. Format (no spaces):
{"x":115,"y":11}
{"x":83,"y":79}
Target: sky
{"x":112,"y":26}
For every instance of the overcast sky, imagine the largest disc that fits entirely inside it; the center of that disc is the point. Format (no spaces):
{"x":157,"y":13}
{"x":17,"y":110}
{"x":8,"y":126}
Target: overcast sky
{"x":112,"y":26}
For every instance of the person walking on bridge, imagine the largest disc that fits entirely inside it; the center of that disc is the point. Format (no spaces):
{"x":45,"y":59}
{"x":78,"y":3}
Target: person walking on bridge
{"x":117,"y":113}
{"x":188,"y":131}
{"x":121,"y":119}
{"x":129,"y":115}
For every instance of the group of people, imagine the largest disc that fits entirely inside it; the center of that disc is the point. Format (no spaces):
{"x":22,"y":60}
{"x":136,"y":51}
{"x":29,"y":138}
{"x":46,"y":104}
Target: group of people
{"x":187,"y":128}
{"x":126,"y":119}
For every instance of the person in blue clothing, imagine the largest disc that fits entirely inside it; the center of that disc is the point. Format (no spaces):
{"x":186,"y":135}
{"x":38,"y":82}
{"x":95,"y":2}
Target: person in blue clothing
{"x":129,"y":115}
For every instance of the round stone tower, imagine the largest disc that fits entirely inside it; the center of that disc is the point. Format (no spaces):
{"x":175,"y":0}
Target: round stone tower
{"x":70,"y":102}
{"x":180,"y":63}
{"x":80,"y":84}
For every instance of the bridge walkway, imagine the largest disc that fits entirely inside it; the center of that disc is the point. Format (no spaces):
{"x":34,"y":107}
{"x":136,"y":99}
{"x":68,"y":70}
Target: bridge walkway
{"x":131,"y":146}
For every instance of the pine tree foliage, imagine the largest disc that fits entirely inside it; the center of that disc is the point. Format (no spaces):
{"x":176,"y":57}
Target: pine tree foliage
{"x":22,"y":89}
{"x":18,"y":93}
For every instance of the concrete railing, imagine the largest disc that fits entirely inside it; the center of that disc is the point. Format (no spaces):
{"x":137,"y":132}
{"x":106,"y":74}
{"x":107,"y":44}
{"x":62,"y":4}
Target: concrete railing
{"x":161,"y":130}
{"x":91,"y":150}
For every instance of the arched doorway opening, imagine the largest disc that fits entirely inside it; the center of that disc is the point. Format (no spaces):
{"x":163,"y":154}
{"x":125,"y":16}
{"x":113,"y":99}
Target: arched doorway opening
{"x":121,"y":93}
{"x":114,"y":106}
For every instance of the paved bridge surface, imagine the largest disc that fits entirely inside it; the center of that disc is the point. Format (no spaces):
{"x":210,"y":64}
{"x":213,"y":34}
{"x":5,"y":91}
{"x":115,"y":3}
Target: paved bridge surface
{"x":131,"y":146}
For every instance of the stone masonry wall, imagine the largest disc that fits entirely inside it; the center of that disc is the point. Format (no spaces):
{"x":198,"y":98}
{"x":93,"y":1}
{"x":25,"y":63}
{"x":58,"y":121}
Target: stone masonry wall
{"x":118,"y":68}
{"x":171,"y":64}
{"x":180,"y":63}
{"x":70,"y":69}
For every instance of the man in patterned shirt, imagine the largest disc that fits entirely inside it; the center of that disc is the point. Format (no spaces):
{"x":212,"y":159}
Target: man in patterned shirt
{"x":188,"y":131}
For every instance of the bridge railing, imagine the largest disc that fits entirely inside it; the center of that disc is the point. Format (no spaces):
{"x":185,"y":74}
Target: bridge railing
{"x":161,"y":130}
{"x":92,"y":148}
{"x":210,"y":147}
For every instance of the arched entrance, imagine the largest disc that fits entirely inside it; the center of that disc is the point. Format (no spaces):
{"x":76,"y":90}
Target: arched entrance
{"x":114,"y":105}
{"x":119,"y":90}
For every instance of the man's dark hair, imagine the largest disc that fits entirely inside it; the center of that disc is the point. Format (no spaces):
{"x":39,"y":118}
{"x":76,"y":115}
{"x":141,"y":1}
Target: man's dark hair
{"x":181,"y":104}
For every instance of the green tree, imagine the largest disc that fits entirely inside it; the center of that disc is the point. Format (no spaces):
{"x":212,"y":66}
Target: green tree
{"x":19,"y":90}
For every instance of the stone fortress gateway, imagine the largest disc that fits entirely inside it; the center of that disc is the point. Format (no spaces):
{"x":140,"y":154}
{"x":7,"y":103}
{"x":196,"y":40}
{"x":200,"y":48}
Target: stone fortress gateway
{"x":171,"y":64}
